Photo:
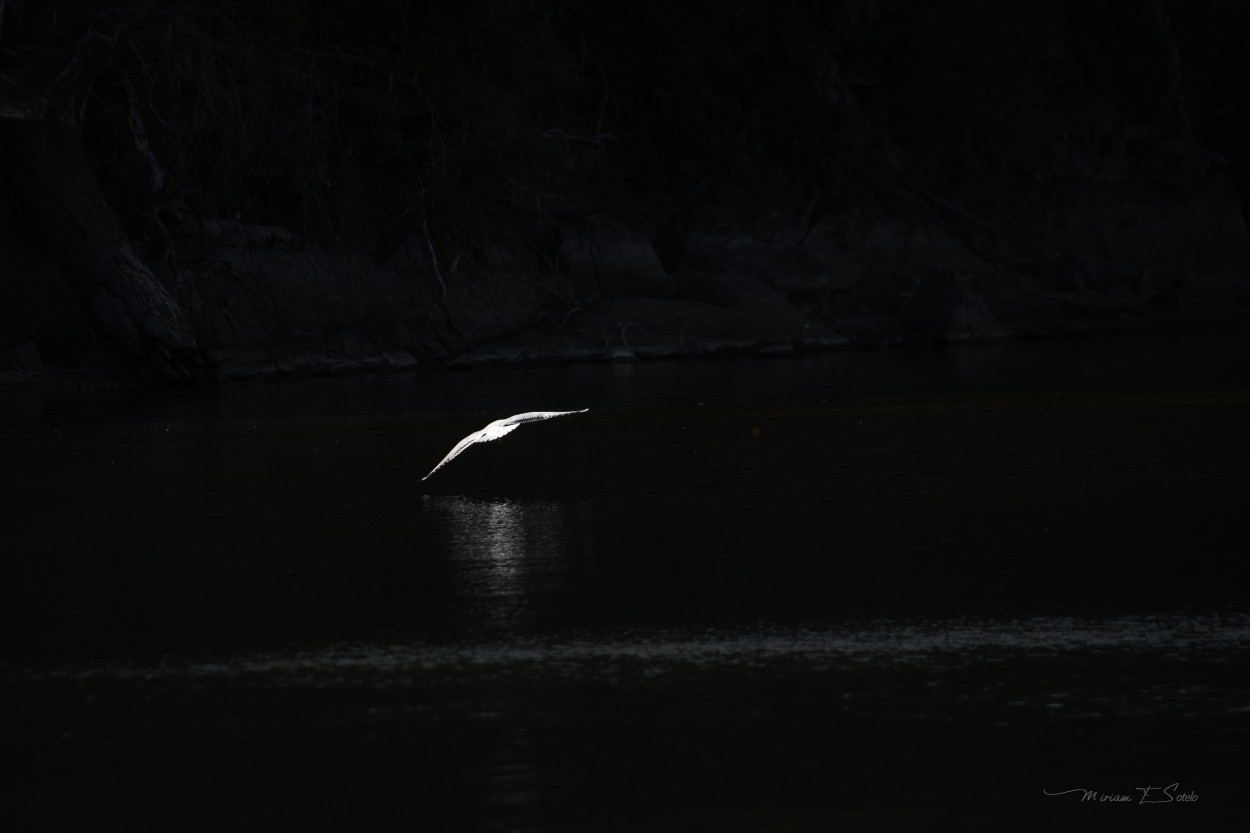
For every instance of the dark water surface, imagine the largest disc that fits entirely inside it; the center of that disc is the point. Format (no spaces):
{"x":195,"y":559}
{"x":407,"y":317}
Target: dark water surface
{"x":854,"y":590}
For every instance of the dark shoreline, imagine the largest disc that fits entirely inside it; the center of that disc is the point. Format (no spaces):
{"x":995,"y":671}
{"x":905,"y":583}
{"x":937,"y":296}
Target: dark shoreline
{"x":1218,"y":320}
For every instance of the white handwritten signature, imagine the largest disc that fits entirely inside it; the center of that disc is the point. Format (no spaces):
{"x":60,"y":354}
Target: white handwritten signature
{"x":1149,"y":795}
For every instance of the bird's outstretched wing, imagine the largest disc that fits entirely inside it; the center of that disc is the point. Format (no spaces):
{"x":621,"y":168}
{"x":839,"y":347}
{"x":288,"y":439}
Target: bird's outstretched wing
{"x":497,"y":429}
{"x":534,"y":416}
{"x":455,"y":452}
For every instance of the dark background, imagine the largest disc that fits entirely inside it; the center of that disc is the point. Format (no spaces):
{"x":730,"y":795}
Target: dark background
{"x":460,"y":143}
{"x":354,"y":123}
{"x":864,"y":586}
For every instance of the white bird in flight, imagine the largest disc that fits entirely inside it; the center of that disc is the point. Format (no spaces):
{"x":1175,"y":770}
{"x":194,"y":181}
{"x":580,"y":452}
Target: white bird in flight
{"x":497,"y":429}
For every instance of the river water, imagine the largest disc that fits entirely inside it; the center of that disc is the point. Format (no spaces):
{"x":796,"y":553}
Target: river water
{"x":848,"y":590}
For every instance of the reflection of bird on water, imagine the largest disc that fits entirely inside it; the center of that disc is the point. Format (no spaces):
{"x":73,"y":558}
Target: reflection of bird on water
{"x":497,"y":429}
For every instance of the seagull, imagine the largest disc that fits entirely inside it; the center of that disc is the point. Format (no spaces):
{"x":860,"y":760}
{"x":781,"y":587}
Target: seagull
{"x":497,"y":429}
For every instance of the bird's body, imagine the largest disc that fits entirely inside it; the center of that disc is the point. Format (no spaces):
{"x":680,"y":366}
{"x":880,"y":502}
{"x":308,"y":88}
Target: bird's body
{"x":498,"y":428}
